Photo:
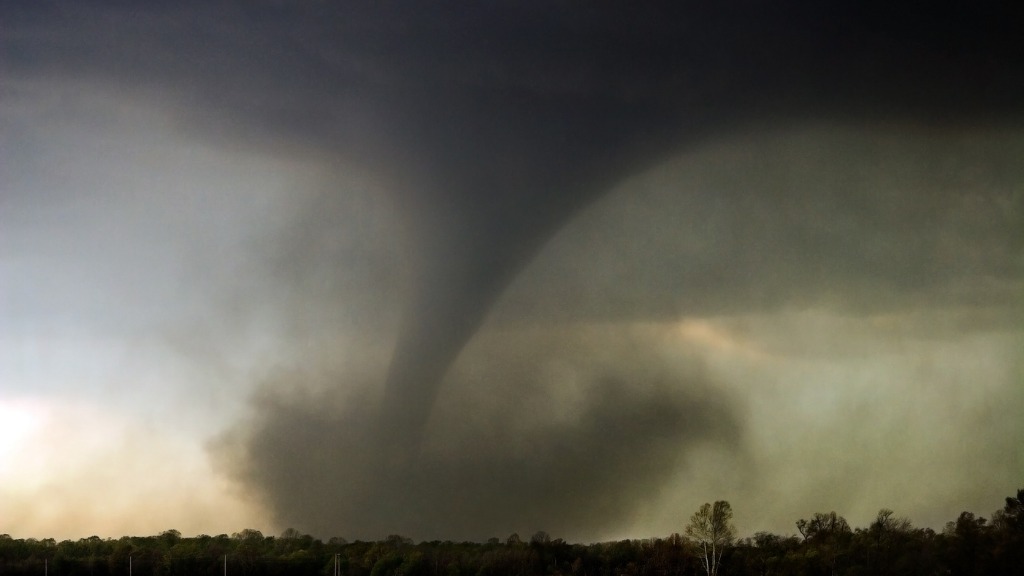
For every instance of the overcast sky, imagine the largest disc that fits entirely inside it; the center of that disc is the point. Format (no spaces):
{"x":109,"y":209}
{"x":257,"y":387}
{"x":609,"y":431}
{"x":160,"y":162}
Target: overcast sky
{"x":458,"y":270}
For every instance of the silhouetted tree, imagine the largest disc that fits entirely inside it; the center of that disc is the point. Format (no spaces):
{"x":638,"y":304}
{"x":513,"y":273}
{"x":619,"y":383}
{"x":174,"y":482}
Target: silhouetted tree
{"x":884,"y":537}
{"x":827,"y":537}
{"x":888,"y":546}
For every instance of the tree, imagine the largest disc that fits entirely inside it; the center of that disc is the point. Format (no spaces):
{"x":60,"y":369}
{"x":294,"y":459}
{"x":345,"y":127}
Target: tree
{"x":767,"y":553}
{"x":823,"y":526}
{"x":970,"y":544}
{"x":1009,"y":534}
{"x":827,"y":535}
{"x":886,"y":535}
{"x":540,"y":538}
{"x":711,"y":527}
{"x":170,"y":537}
{"x":886,"y":522}
{"x":1011,"y":517}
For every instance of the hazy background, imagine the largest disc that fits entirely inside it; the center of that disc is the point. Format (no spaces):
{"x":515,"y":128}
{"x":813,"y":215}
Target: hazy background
{"x":712,"y":267}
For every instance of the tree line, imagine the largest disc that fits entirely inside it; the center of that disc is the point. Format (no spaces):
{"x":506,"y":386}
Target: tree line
{"x":825,"y":546}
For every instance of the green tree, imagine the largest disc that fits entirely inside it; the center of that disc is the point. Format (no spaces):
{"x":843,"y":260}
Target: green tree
{"x":711,"y":526}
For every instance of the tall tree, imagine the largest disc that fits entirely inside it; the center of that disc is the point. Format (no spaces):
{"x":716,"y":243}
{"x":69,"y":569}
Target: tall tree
{"x":711,"y":526}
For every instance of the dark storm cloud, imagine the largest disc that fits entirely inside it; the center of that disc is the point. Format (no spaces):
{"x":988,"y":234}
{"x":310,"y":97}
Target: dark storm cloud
{"x":864,"y":219}
{"x":490,"y":125}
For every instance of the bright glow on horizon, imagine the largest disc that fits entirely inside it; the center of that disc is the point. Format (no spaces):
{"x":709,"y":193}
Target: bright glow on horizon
{"x":75,"y":470}
{"x":20,"y":420}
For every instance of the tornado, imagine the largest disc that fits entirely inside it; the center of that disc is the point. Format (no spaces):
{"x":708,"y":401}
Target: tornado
{"x":489,"y":217}
{"x":591,"y":103}
{"x":493,"y":124}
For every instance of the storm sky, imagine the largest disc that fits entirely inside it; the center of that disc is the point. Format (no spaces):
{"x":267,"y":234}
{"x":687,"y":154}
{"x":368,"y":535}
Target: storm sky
{"x":458,"y":270}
